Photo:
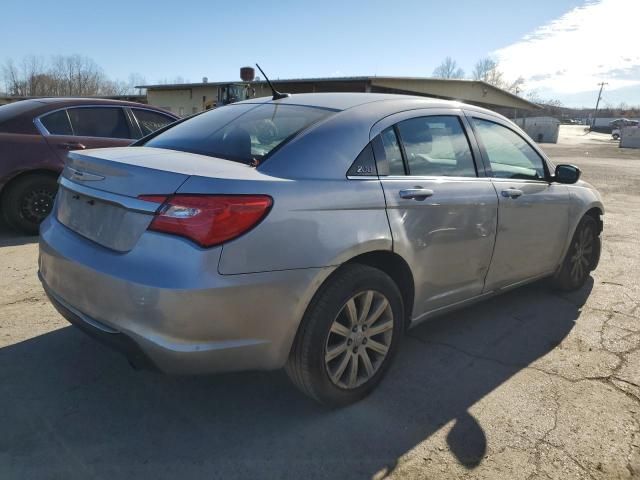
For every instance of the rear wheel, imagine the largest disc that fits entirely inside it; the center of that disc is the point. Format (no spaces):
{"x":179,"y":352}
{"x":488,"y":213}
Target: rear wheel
{"x":581,"y":258}
{"x":27,"y":201}
{"x":348,"y":336}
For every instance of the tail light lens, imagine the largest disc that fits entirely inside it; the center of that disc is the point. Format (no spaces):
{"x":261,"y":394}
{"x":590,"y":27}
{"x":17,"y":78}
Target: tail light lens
{"x":208,"y":220}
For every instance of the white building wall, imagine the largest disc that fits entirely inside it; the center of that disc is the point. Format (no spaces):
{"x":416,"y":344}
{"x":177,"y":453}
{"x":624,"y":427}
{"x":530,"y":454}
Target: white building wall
{"x":630,"y":137}
{"x":192,"y":100}
{"x":540,"y":129}
{"x":182,"y":102}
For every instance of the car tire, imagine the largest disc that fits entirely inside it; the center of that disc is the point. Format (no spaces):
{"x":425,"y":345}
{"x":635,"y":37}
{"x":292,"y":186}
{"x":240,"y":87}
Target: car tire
{"x":27,"y":201}
{"x":581,"y":258}
{"x":616,"y":136}
{"x":354,"y":292}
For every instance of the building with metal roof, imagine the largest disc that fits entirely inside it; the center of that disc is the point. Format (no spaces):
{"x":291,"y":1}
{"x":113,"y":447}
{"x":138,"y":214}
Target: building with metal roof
{"x":189,"y":98}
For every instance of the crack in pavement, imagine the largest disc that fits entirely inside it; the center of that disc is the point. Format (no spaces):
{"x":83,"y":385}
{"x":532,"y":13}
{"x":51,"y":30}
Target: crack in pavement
{"x":32,"y":299}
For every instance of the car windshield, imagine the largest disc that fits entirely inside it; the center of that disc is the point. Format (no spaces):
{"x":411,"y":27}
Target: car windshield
{"x":243,"y":133}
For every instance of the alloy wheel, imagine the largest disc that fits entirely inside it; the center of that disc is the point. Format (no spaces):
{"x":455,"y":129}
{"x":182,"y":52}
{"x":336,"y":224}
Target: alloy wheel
{"x":359,"y":339}
{"x":582,"y":254}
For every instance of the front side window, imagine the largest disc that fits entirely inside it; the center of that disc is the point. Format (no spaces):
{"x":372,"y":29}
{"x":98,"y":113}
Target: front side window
{"x":57,"y":123}
{"x":243,"y":132}
{"x":108,"y":122}
{"x":509,"y":155}
{"x":436,"y":146}
{"x":150,"y":121}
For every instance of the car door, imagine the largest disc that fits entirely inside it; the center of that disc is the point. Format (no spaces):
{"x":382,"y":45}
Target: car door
{"x":533,"y":214}
{"x":442,"y":212}
{"x":93,"y":126}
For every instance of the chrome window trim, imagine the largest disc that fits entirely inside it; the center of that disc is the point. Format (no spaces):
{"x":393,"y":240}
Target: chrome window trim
{"x":363,"y":177}
{"x":434,"y":178}
{"x":42,"y":129}
{"x":519,"y":180}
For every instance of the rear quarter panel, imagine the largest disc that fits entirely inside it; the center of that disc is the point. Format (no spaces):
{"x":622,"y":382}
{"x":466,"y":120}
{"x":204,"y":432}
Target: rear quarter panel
{"x":312,"y":223}
{"x":23,"y":152}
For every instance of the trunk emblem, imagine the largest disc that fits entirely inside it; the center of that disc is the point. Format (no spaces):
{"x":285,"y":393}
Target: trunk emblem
{"x":84,"y":176}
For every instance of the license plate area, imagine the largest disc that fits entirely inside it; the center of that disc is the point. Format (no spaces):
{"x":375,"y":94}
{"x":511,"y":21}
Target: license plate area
{"x":105,"y":223}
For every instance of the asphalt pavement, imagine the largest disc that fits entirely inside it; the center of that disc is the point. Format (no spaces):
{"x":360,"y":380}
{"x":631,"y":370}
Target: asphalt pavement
{"x":531,"y":384}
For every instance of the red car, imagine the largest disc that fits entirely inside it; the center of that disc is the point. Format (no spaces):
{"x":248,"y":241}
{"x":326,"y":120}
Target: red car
{"x":36,"y":134}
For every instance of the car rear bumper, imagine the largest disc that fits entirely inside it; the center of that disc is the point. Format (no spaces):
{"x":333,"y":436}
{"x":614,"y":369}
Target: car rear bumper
{"x":164,"y":304}
{"x":104,"y":334}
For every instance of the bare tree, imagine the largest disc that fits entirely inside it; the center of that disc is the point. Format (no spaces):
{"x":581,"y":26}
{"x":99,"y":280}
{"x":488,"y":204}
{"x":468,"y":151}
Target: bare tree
{"x":174,"y":81}
{"x":135,"y":80}
{"x":13,"y":79}
{"x":488,"y":70}
{"x":73,"y":75}
{"x":448,"y":69}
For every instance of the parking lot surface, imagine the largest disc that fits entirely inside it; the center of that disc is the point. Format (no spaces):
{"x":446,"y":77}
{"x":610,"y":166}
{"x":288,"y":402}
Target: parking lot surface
{"x":531,"y":384}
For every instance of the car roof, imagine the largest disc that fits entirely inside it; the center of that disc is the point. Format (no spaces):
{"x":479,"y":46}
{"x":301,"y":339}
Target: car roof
{"x":70,"y":101}
{"x":18,"y":116}
{"x":330,"y":146}
{"x":347,"y":100}
{"x":49,"y":103}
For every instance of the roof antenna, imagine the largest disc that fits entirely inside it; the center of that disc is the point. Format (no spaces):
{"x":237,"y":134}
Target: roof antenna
{"x":276,"y":94}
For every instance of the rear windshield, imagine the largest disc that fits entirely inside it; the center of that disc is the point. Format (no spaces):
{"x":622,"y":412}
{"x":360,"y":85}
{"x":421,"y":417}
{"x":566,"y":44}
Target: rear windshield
{"x":243,"y":132}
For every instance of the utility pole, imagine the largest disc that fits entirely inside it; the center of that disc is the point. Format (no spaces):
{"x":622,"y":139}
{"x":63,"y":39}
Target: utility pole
{"x":515,"y":110}
{"x":595,"y":112}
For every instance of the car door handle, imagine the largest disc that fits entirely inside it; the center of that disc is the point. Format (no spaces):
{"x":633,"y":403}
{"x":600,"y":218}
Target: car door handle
{"x":512,"y":193}
{"x":71,"y":146}
{"x":417,"y":193}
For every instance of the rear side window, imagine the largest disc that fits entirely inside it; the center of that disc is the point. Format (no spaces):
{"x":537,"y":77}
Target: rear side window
{"x":509,"y":155}
{"x":57,"y":123}
{"x":107,"y":122}
{"x":150,"y":121}
{"x":436,"y":146}
{"x":243,"y":132}
{"x":392,"y":151}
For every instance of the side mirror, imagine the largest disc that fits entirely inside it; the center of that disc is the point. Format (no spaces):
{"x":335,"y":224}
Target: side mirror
{"x":567,"y":174}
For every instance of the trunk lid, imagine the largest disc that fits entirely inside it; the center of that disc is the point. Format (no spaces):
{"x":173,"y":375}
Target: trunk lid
{"x":99,"y":189}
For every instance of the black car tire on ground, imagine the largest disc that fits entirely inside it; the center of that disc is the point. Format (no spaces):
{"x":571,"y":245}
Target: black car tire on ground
{"x":581,"y":258}
{"x":307,"y":365}
{"x":27,"y":201}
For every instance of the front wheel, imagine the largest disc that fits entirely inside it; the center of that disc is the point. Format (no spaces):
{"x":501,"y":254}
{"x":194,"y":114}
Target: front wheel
{"x":581,"y":258}
{"x":348,"y":336}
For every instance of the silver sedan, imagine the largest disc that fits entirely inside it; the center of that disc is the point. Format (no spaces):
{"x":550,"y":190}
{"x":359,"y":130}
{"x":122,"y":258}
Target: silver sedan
{"x":309,"y":233}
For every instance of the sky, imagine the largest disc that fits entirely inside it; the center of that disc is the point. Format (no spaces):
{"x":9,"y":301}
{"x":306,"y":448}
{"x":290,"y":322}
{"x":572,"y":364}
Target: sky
{"x":562,"y":48}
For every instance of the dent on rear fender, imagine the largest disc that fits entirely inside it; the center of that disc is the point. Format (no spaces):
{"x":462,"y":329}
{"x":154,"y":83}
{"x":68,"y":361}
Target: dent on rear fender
{"x":313,"y":224}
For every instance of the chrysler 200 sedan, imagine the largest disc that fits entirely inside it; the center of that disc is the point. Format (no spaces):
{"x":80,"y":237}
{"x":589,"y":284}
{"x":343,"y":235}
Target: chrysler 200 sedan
{"x":309,"y":233}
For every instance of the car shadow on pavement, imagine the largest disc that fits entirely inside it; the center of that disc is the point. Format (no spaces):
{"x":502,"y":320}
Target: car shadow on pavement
{"x":9,"y":238}
{"x":71,"y":408}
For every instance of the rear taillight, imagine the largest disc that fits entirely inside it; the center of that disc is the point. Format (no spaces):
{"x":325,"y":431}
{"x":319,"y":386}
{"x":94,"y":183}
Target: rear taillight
{"x":208,"y":220}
